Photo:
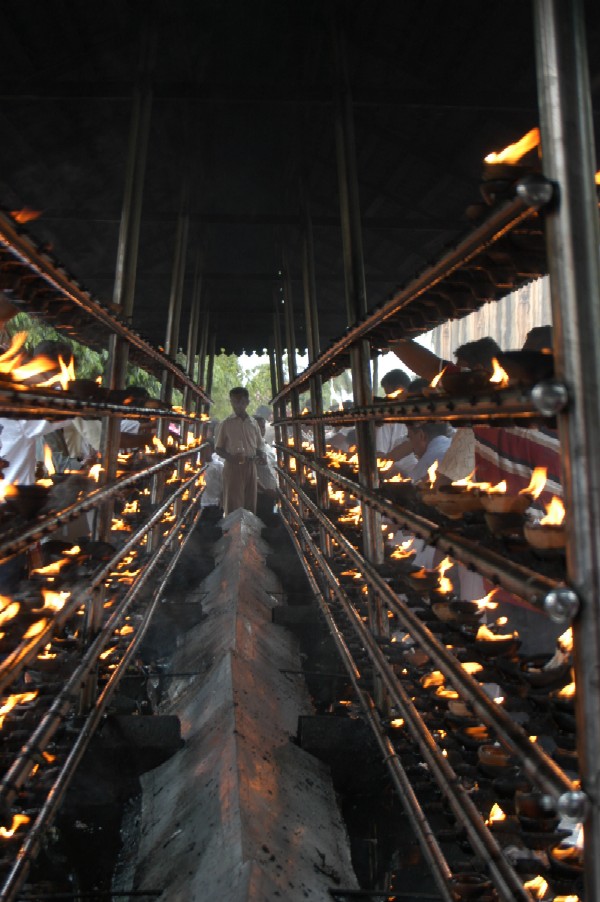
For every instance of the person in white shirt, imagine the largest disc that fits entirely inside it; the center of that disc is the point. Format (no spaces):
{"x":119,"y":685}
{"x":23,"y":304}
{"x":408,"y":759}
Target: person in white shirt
{"x":430,"y":442}
{"x":239,"y":442}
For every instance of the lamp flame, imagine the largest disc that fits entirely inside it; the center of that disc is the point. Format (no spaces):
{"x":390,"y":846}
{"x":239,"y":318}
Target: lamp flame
{"x":538,"y":886}
{"x":432,"y":473}
{"x":17,"y":821}
{"x":496,"y":814}
{"x":538,"y":481}
{"x":555,"y":513}
{"x":499,"y":377}
{"x":514,"y":152}
{"x":434,"y":382}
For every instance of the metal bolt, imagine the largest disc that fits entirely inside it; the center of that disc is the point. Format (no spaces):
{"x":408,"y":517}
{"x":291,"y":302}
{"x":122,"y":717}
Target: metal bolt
{"x":561,"y":605}
{"x":573,"y":806}
{"x":549,"y":397}
{"x":535,"y":190}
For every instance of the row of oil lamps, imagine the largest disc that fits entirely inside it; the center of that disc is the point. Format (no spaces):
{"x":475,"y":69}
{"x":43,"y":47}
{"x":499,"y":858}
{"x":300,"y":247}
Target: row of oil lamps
{"x":38,"y":601}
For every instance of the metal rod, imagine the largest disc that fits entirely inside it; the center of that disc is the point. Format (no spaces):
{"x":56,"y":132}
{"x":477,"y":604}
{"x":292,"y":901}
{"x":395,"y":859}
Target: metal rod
{"x":573,"y":238}
{"x":354,"y":281}
{"x":311,"y":315}
{"x":499,"y":222}
{"x":435,"y":857}
{"x":499,"y":404}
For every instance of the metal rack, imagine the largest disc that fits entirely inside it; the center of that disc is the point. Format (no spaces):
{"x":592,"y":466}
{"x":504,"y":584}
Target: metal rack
{"x":91,"y":634}
{"x":557,"y":215}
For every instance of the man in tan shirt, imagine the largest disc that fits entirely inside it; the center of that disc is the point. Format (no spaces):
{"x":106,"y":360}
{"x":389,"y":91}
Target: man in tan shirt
{"x":239,"y":442}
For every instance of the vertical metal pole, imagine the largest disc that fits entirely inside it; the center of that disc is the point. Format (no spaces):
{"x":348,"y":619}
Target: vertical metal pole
{"x":210,"y":365}
{"x":281,"y":431}
{"x":312,"y":337}
{"x":573,"y":241}
{"x":126,"y":264}
{"x":356,"y":294}
{"x":123,"y":296}
{"x":290,"y":338}
{"x":202,"y":354}
{"x":171,"y":346}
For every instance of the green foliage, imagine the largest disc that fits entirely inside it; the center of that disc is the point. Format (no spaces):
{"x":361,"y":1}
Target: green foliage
{"x":227,"y":373}
{"x":88,"y":363}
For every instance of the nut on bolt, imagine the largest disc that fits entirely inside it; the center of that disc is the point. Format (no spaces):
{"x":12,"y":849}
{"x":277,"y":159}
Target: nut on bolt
{"x":573,"y":806}
{"x":535,"y":190}
{"x":550,"y":397}
{"x":561,"y":605}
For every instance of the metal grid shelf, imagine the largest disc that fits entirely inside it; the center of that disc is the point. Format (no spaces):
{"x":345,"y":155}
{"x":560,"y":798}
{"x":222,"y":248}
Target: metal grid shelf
{"x":459,"y":282}
{"x":40,"y":286}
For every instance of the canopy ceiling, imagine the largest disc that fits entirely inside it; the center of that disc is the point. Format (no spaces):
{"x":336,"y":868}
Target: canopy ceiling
{"x":243,"y":100}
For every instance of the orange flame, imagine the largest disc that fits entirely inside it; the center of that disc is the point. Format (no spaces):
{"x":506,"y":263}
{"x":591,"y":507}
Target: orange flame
{"x":94,"y":472}
{"x":496,"y":814}
{"x":445,"y":585}
{"x":66,"y":375}
{"x":470,"y":484}
{"x":486,"y":603}
{"x":48,"y":463}
{"x":158,"y":444}
{"x":35,"y":629}
{"x":567,"y":691}
{"x":434,"y":382}
{"x":499,"y":489}
{"x":404,"y":550}
{"x":499,"y":377}
{"x":395,"y":394}
{"x":17,"y":821}
{"x":33,"y":368}
{"x":472,"y":667}
{"x":25,"y":215}
{"x":432,"y":473}
{"x":484,"y":633}
{"x":8,"y":609}
{"x":565,"y":641}
{"x":20,"y":698}
{"x":538,"y":886}
{"x":538,"y":481}
{"x":435,"y":678}
{"x":514,"y":152}
{"x":131,"y":507}
{"x":54,"y":601}
{"x":555,"y":513}
{"x":441,"y":692}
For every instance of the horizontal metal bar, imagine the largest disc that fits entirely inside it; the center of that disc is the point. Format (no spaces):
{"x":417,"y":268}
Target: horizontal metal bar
{"x":41,"y":404}
{"x":500,"y":221}
{"x":505,"y":404}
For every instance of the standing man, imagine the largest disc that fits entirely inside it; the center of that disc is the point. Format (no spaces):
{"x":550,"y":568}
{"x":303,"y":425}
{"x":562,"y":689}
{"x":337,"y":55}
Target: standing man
{"x":239,"y":442}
